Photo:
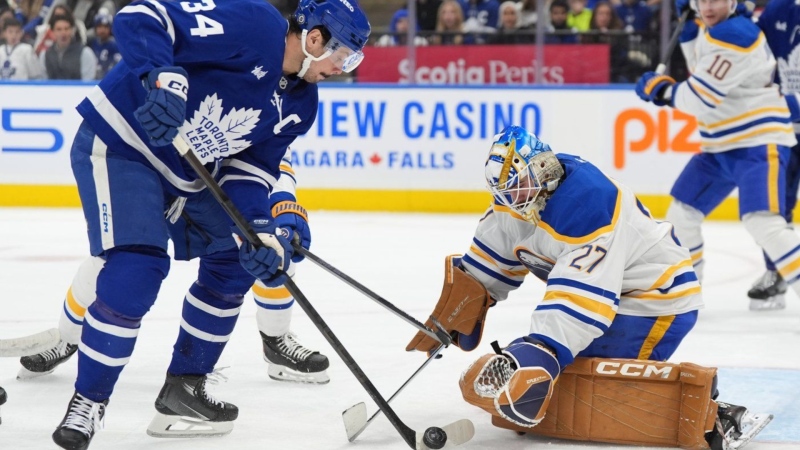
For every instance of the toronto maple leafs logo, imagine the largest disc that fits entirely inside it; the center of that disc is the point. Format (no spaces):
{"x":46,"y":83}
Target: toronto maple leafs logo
{"x":213,"y":136}
{"x":258,"y":72}
{"x":789,"y":70}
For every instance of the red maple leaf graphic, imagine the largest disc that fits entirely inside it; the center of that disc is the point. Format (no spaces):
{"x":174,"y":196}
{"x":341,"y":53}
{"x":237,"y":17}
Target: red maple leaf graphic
{"x":375,"y":159}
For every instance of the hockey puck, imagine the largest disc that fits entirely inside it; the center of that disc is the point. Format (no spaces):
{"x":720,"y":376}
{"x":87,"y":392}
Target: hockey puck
{"x":3,"y":396}
{"x":434,"y":438}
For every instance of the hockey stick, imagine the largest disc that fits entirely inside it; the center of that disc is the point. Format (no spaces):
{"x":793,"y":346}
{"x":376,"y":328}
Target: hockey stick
{"x":29,"y":345}
{"x":440,"y":335}
{"x":355,"y":417}
{"x":673,"y":42}
{"x":433,"y":437}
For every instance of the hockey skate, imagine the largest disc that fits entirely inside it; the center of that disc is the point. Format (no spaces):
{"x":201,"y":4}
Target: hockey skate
{"x":45,"y":362}
{"x":768,"y":292}
{"x":735,"y":427}
{"x":84,"y":417}
{"x":186,"y":410}
{"x":290,"y":361}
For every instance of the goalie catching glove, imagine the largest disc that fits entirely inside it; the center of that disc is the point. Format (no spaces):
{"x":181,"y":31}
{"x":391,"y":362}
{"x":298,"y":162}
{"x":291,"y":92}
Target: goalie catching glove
{"x":515,"y":384}
{"x":461,"y":310}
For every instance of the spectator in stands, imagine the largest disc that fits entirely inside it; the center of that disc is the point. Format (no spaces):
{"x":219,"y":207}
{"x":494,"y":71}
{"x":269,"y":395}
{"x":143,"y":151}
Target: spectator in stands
{"x":427,"y":12}
{"x":558,"y":31}
{"x":635,"y":14}
{"x":86,"y":10}
{"x":480,"y":17}
{"x":5,"y":13}
{"x":528,"y":15}
{"x":450,"y":25}
{"x":508,"y":30}
{"x":605,"y":20}
{"x":104,"y":45}
{"x":17,"y":59}
{"x":28,"y":11}
{"x":44,"y":33}
{"x":579,"y":17}
{"x":68,"y":58}
{"x":398,"y":28}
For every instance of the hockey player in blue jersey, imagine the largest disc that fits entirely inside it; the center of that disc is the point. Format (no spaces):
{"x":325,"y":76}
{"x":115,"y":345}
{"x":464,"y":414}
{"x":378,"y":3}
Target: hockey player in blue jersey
{"x":619,"y":285}
{"x":780,"y":23}
{"x":237,"y":83}
{"x":287,"y":359}
{"x":745,"y":129}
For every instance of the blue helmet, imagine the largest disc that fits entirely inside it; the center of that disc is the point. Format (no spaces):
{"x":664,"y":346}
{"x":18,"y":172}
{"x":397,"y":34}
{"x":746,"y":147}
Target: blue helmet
{"x":522,"y":172}
{"x":343,"y":19}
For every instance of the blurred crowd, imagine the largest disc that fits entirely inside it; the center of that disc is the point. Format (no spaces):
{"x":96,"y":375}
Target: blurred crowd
{"x":57,"y":39}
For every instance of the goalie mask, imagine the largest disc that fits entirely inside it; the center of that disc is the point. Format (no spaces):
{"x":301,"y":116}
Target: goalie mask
{"x":522,"y":172}
{"x":348,"y":27}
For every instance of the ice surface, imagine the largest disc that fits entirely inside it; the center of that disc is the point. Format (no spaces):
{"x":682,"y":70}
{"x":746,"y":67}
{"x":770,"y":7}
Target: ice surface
{"x":400,"y":257}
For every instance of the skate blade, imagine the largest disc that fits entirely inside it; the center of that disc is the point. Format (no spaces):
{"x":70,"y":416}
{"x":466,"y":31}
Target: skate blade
{"x":756,"y":423}
{"x":283,"y":373}
{"x":25,"y":374}
{"x":164,"y":426}
{"x":458,"y":432}
{"x":775,"y":303}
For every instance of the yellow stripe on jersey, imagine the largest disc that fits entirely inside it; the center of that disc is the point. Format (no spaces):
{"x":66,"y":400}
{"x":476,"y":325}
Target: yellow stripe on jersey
{"x":783,"y":128}
{"x":73,"y":304}
{"x":287,"y":168}
{"x":755,"y":112}
{"x":278,"y":293}
{"x":697,"y":256}
{"x":511,"y":273}
{"x":586,"y":303}
{"x":705,"y":93}
{"x":773,"y":161}
{"x":735,"y":47}
{"x":655,"y":295}
{"x":654,"y":337}
{"x":589,"y":237}
{"x":670,"y":272}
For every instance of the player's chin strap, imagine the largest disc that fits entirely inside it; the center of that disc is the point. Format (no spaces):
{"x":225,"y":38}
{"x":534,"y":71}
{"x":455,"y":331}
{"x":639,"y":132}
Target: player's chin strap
{"x":309,"y":57}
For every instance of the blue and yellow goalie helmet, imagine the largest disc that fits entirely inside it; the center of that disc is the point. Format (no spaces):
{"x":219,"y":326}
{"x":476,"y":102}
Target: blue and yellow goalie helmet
{"x":522,"y":172}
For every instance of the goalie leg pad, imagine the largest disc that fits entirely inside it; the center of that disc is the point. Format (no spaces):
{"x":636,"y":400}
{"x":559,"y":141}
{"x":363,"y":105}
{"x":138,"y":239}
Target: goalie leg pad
{"x":516,"y":385}
{"x":461,"y":310}
{"x":632,"y":402}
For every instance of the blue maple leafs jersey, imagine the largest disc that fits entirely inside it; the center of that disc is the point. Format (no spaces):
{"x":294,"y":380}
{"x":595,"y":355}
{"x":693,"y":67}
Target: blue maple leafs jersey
{"x":241,"y":112}
{"x":780,"y":22}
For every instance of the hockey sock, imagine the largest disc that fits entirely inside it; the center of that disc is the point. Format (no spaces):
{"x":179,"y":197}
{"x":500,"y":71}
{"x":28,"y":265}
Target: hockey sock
{"x":207,"y":322}
{"x":274,"y":314}
{"x":779,"y":241}
{"x":79,"y":296}
{"x":687,"y":222}
{"x":126,"y":289}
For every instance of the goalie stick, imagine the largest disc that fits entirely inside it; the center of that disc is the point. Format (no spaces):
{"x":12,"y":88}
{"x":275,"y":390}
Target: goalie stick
{"x":414,"y":439}
{"x":439,"y":334}
{"x":29,"y":345}
{"x":355,"y":417}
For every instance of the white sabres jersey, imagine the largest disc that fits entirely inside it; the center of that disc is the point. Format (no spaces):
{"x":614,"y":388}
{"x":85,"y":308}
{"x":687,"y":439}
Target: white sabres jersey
{"x":598,"y":249}
{"x":731,"y":90}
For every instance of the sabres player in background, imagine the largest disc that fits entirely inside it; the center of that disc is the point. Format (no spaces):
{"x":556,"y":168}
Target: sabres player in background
{"x":619,"y":285}
{"x":745,"y":130}
{"x":287,"y":359}
{"x":236,"y":82}
{"x":780,"y":23}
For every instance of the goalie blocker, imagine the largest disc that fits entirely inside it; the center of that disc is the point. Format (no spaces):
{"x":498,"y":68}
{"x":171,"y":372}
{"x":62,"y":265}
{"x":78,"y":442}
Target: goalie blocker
{"x":461,"y":310}
{"x":617,"y":401}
